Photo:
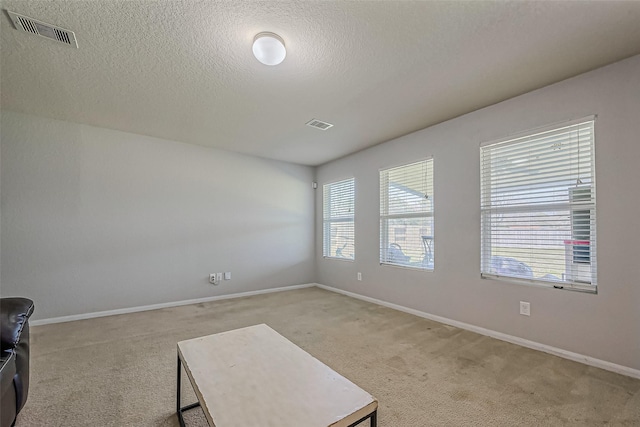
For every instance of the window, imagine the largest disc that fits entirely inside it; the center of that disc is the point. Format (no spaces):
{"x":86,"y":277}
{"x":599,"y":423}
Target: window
{"x":539,"y":207}
{"x":338,"y":219}
{"x":406,"y":215}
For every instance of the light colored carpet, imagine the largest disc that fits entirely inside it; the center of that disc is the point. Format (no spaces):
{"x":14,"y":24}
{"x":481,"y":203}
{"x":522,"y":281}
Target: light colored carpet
{"x":121,"y":370}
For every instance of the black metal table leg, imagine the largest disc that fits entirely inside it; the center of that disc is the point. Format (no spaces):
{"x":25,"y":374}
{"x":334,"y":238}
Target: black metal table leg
{"x":179,"y":384}
{"x":372,"y":417}
{"x":181,"y":409}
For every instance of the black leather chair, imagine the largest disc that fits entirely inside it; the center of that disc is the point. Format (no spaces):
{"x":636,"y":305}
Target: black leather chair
{"x":14,"y":359}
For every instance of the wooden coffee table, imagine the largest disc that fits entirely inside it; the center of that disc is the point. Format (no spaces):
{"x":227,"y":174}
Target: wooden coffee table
{"x":255,"y":377}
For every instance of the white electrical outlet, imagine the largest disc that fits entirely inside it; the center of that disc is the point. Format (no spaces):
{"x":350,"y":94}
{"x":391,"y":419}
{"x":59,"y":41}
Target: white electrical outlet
{"x":227,"y":275}
{"x":212,"y":279}
{"x":525,"y":308}
{"x":359,"y":276}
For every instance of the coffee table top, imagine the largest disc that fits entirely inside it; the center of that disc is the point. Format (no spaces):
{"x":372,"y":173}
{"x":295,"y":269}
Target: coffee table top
{"x":256,"y":377}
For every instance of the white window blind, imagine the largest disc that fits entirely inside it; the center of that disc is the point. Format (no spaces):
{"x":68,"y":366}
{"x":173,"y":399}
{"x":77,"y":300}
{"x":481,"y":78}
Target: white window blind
{"x":406,"y":215}
{"x":338,"y":219}
{"x":539,"y":207}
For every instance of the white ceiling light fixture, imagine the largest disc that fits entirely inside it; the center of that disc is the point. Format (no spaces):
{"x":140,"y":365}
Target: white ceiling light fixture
{"x":268,"y":48}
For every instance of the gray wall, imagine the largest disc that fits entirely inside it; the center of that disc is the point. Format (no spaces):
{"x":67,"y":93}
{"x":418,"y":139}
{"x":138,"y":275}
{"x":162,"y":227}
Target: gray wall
{"x":96,"y":219}
{"x":604,"y":326}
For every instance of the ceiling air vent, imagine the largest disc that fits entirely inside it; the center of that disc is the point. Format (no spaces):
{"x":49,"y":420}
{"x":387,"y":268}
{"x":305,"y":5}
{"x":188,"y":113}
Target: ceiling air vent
{"x":43,"y":29}
{"x":319,"y":124}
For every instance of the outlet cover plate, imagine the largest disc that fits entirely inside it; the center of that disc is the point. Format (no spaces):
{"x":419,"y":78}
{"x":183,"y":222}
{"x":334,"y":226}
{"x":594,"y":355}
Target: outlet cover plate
{"x":525,"y":308}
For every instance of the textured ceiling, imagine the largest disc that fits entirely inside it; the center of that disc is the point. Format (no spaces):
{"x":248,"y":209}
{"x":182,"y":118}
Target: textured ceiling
{"x":184,"y":70}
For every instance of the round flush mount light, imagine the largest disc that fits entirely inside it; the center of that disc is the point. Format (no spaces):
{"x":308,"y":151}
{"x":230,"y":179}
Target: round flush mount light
{"x":269,"y":49}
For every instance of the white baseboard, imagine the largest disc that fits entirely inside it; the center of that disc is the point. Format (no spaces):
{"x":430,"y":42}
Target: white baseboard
{"x":576,"y":357}
{"x":163,"y":305}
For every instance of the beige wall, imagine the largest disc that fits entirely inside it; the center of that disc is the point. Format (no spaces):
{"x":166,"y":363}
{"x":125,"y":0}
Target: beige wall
{"x":95,"y":219}
{"x":605,"y":326}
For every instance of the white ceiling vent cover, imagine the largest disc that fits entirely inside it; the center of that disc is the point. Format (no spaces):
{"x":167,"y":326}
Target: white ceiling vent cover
{"x":43,"y":29}
{"x":318,"y":124}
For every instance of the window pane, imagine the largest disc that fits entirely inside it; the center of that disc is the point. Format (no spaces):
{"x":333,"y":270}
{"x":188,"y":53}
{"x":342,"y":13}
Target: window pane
{"x":341,"y":241}
{"x":529,"y":244}
{"x":410,"y":242}
{"x":407,"y":188}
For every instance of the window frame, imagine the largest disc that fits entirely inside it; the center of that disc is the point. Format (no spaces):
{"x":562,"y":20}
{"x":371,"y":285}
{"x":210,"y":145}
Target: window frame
{"x":327,"y":220}
{"x":384,"y":218}
{"x":574,"y":208}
